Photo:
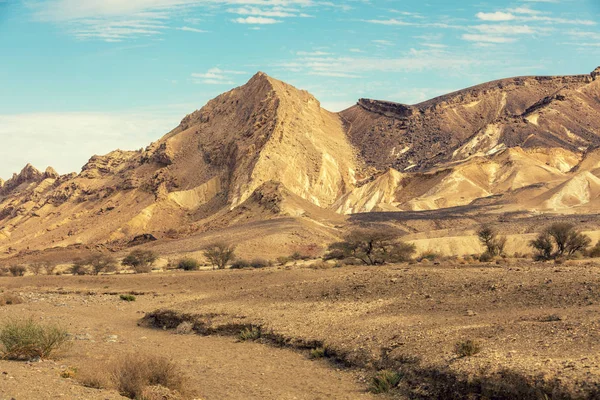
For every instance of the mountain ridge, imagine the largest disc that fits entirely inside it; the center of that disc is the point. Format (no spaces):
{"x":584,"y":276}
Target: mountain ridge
{"x":507,"y":141}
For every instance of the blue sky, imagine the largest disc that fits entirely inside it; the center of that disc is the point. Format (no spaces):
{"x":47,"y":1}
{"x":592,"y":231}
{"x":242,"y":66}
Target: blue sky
{"x":83,"y":77}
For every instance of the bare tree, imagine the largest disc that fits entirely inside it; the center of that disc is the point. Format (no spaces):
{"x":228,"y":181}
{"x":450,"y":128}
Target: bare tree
{"x":219,"y":254}
{"x":101,"y":263}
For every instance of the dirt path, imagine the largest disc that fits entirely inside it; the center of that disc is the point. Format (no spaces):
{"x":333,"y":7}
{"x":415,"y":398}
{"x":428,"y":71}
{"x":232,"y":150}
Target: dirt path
{"x":217,"y":367}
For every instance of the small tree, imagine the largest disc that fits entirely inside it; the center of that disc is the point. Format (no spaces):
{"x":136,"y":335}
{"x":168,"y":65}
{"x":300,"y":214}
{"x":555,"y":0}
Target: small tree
{"x":219,"y":254}
{"x":559,"y":240}
{"x":140,"y":260}
{"x":36,"y":267}
{"x":49,"y":268}
{"x":371,"y":247}
{"x":489,"y":238}
{"x":79,"y":267}
{"x":101,"y":263}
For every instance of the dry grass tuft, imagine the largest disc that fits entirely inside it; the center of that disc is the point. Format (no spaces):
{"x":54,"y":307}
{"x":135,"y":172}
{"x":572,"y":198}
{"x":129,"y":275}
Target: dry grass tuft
{"x":134,"y":373}
{"x":467,"y":348}
{"x":384,"y":381}
{"x":7,"y":299}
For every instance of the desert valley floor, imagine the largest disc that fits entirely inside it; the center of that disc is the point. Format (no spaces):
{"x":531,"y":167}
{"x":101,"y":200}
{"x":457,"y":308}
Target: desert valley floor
{"x":537,"y":324}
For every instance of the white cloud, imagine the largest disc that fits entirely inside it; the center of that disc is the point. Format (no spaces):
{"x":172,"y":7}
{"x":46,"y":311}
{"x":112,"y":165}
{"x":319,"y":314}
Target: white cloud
{"x":503,"y":29}
{"x":496,"y":16}
{"x":487,"y":38}
{"x":189,"y":29}
{"x":256,"y":21}
{"x":216,"y":76}
{"x":118,"y":20}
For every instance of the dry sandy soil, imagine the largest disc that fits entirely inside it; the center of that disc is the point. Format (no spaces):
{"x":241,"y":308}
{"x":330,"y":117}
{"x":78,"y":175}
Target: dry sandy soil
{"x":405,"y":317}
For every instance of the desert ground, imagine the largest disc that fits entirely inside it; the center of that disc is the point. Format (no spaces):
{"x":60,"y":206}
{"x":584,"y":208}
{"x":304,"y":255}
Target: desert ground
{"x":536,"y":325}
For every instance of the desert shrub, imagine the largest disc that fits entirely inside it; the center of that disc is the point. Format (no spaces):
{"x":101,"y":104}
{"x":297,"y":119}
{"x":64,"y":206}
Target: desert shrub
{"x":79,"y":267}
{"x":551,"y":318}
{"x":219,"y":254}
{"x":4,"y":271}
{"x":7,"y":299}
{"x":27,"y":339}
{"x":185,"y":328}
{"x":371,"y":247}
{"x":384,"y":381}
{"x":250,"y":334}
{"x":430,"y":255}
{"x":318,"y":352}
{"x":283,"y":260}
{"x":595,"y":251}
{"x":320,"y":265}
{"x":559,"y":240}
{"x":17,"y":270}
{"x":127,"y":297}
{"x":486,"y":257}
{"x":140,"y":260}
{"x":133,"y":374}
{"x":94,"y":377}
{"x":467,"y":348}
{"x":188,"y":264}
{"x":259,"y":263}
{"x":489,"y":238}
{"x":101,"y":263}
{"x":240,"y":264}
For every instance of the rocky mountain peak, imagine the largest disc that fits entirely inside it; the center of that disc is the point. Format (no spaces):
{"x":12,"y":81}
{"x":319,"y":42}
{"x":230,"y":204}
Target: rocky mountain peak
{"x":596,"y":73}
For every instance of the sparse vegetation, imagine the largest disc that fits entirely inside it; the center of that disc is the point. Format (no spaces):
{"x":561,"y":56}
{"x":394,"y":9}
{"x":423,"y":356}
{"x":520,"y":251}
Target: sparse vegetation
{"x":240,"y":264}
{"x":127,"y":297}
{"x":467,"y":348}
{"x":133,"y":374}
{"x":559,"y":240}
{"x":430,"y":255}
{"x":140,"y":260}
{"x":185,"y":328}
{"x":384,"y":381}
{"x":49,"y":268}
{"x":35,"y":268}
{"x":219,"y":254}
{"x":188,"y":264}
{"x":7,"y":299}
{"x":493,"y":243}
{"x":371,"y":247}
{"x":551,"y":318}
{"x":595,"y":251}
{"x":101,"y":263}
{"x":250,"y":334}
{"x":27,"y":339}
{"x":17,"y":270}
{"x":79,"y":267}
{"x":318,"y":352}
{"x":259,"y":263}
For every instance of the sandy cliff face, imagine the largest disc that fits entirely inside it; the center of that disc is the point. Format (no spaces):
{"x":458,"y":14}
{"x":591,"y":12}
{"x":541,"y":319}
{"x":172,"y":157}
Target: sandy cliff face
{"x":267,"y":150}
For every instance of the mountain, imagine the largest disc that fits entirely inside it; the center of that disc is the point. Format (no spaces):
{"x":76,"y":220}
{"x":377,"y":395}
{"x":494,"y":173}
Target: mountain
{"x":268,"y":151}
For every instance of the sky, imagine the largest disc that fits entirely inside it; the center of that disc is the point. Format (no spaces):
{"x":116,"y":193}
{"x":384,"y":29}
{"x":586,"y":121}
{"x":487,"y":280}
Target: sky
{"x":84,"y":77}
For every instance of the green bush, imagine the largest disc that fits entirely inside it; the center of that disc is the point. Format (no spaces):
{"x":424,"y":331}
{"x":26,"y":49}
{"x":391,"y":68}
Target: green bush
{"x":384,"y":381}
{"x":467,"y":348}
{"x":127,"y":297}
{"x":318,"y":352}
{"x":250,"y":334}
{"x":27,"y":339}
{"x":188,"y":264}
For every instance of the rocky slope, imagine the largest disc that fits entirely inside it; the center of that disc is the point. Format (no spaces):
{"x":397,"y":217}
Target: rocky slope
{"x":266,"y":150}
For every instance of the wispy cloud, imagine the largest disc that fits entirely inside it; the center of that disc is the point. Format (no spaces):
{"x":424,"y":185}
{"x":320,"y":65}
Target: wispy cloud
{"x":117,"y":20}
{"x":216,"y":76}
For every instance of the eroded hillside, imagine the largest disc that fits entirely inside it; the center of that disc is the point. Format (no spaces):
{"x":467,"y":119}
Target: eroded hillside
{"x":267,"y":150}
